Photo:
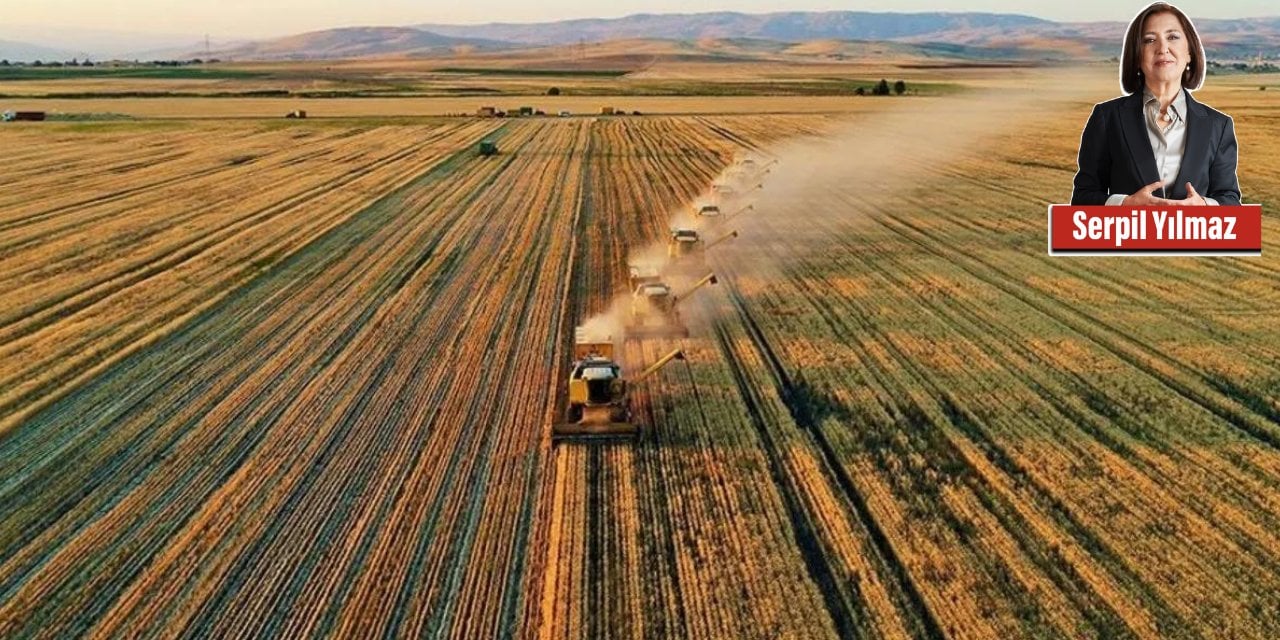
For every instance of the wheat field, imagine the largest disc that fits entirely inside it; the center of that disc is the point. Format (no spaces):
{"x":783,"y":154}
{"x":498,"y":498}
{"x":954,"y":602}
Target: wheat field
{"x":297,"y":379}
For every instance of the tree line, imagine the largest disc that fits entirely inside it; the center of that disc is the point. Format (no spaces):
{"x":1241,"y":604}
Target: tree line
{"x":75,"y":62}
{"x":882,"y":88}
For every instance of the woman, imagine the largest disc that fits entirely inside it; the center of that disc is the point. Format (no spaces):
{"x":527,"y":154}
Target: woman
{"x":1157,"y":146}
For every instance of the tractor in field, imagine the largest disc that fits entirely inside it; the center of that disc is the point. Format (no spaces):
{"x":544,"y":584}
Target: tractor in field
{"x":598,"y":403}
{"x":488,"y":148}
{"x":655,"y":310}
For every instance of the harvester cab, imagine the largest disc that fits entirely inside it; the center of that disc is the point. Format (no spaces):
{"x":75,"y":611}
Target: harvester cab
{"x":642,"y":275}
{"x":488,"y":148}
{"x":687,"y":250}
{"x":651,"y":299}
{"x":653,"y":313}
{"x":708,"y":213}
{"x":655,"y":310}
{"x":598,"y":404}
{"x":683,"y":243}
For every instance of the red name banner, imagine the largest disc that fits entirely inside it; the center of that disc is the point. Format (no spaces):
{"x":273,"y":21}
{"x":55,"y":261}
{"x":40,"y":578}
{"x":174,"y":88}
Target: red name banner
{"x":1148,"y":230}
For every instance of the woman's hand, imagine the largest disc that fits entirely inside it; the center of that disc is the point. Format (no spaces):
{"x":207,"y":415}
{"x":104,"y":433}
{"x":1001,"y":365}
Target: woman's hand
{"x":1193,"y":199}
{"x":1144,"y":198}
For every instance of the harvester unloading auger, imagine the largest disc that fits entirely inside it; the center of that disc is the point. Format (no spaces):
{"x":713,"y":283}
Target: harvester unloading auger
{"x":655,"y":312}
{"x":726,"y":219}
{"x":598,"y":403}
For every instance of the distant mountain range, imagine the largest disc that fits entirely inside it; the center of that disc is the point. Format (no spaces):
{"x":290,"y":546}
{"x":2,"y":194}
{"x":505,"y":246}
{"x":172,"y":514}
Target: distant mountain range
{"x":959,"y":35}
{"x":358,"y":42}
{"x":982,"y":35}
{"x":50,"y":42}
{"x":794,"y":26}
{"x":11,"y":50}
{"x":1025,"y":35}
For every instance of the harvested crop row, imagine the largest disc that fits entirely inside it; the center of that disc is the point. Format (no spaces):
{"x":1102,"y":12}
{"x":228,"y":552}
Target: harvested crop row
{"x":939,"y":334}
{"x":355,"y":369}
{"x":880,"y":260}
{"x":76,"y":321}
{"x":50,"y":158}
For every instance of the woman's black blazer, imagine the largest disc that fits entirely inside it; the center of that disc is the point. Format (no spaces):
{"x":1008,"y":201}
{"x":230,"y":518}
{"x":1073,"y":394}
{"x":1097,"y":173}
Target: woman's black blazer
{"x":1116,"y":156}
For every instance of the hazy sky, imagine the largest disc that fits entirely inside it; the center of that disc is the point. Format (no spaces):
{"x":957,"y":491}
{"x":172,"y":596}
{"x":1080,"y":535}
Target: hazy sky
{"x":259,"y":18}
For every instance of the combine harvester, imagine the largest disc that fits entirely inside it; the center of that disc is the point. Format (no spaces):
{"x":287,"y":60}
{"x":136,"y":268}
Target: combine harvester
{"x":746,"y":171}
{"x":725,"y":194}
{"x":709,"y":213}
{"x":749,"y":166}
{"x":598,"y":403}
{"x":687,"y":250}
{"x":655,"y":312}
{"x":642,"y":274}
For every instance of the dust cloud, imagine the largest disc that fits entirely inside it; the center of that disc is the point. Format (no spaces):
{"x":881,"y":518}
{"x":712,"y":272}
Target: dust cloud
{"x":873,"y":161}
{"x":784,"y":206}
{"x":880,"y":156}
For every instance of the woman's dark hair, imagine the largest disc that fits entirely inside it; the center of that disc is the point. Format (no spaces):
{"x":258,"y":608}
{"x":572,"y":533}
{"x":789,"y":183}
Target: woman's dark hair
{"x":1131,"y":57}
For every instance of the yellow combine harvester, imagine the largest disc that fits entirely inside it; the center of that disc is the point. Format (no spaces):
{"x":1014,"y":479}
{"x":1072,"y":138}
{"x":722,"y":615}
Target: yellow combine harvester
{"x":749,"y":166}
{"x":598,"y":404}
{"x":707,"y":213}
{"x":686,"y":248}
{"x":654,"y":311}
